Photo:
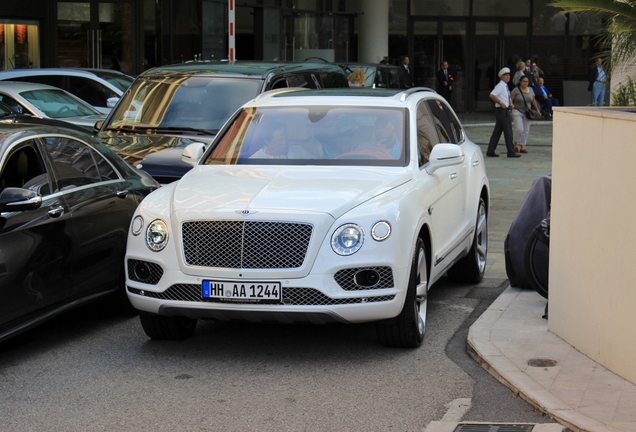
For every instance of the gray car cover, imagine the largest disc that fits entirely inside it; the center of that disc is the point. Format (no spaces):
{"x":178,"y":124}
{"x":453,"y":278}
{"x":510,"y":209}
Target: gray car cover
{"x":534,"y":208}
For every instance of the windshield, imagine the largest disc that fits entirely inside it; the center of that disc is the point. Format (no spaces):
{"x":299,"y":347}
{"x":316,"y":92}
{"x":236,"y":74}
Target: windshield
{"x":314,"y":135}
{"x":173,"y":104}
{"x":58,"y":104}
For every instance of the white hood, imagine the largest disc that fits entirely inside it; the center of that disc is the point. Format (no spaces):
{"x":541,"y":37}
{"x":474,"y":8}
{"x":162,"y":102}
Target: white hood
{"x":333,"y":190}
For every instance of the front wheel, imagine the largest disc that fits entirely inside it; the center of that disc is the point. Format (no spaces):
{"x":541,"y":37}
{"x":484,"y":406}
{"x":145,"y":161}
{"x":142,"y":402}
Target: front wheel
{"x":167,"y":328}
{"x":472,"y":267}
{"x":407,"y":329}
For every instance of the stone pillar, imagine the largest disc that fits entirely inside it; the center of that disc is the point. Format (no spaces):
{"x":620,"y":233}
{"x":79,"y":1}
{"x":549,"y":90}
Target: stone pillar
{"x":373,"y":31}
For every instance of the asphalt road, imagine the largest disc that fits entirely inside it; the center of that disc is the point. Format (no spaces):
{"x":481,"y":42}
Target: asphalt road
{"x":92,"y":370}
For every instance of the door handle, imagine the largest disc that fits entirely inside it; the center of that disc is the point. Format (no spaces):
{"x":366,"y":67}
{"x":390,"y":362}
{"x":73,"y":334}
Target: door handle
{"x":55,"y":211}
{"x":122,"y":193}
{"x":453,"y":176}
{"x":475,"y":163}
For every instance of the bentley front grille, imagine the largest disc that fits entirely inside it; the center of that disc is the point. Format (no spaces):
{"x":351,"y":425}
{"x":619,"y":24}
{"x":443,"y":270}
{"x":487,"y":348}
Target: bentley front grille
{"x":245,"y":244}
{"x":290,"y":295}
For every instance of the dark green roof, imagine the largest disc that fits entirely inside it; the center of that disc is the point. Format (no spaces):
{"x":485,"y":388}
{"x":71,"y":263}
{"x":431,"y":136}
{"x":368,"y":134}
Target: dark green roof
{"x":248,"y":69}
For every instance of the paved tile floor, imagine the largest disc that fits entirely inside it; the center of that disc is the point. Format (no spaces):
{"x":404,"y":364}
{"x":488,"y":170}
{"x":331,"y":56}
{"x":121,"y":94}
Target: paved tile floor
{"x":511,"y":339}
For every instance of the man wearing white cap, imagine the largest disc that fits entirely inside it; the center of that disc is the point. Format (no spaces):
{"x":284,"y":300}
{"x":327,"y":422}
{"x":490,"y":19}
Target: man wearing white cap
{"x":500,"y":95}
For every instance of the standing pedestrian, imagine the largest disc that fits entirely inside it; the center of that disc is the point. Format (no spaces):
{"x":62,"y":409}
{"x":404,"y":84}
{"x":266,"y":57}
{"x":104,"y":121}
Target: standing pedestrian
{"x":598,"y":77}
{"x":445,"y":80}
{"x":500,"y":95}
{"x":522,"y":99}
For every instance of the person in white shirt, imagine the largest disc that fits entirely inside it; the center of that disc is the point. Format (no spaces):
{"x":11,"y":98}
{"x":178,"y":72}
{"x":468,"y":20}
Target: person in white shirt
{"x":598,"y":78}
{"x":503,"y":117}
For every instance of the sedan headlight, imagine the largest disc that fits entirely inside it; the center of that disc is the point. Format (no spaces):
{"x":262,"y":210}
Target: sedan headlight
{"x":347,"y":239}
{"x":157,"y":235}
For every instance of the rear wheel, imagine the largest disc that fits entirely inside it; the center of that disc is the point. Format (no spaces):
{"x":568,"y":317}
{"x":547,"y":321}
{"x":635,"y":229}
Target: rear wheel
{"x":408,"y":328}
{"x":472,"y":267}
{"x":167,"y":328}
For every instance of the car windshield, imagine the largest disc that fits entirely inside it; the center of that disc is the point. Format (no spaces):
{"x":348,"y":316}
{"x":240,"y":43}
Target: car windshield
{"x":58,"y":104}
{"x":313,"y":135}
{"x":187,"y":104}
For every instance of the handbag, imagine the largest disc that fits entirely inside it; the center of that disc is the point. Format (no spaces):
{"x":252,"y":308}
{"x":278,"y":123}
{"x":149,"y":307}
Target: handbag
{"x":531,"y":114}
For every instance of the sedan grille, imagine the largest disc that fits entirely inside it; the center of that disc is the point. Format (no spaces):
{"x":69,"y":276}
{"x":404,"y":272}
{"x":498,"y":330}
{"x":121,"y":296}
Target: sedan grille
{"x":291,"y":296}
{"x":245,"y":245}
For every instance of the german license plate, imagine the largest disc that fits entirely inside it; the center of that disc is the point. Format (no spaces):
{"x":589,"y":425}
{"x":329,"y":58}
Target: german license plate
{"x":251,"y":291}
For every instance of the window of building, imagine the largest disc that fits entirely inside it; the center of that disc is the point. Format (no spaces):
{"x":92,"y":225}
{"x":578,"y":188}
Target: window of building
{"x":19,"y":45}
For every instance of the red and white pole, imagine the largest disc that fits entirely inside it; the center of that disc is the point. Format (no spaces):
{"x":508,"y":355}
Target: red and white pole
{"x":231,"y":36}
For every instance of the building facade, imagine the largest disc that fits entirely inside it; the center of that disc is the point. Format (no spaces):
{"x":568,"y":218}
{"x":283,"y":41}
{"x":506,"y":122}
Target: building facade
{"x":476,"y":37}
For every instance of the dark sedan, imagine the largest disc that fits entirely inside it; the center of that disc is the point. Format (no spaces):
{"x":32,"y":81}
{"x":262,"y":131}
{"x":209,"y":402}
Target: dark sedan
{"x":66,"y":202}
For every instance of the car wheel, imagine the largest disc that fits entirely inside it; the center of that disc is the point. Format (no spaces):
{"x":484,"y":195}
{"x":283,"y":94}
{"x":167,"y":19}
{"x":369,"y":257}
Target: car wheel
{"x":472,"y":267}
{"x":167,"y":328}
{"x":407,"y":329}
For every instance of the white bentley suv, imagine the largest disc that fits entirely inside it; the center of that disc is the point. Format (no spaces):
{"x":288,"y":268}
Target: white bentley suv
{"x":341,"y":205}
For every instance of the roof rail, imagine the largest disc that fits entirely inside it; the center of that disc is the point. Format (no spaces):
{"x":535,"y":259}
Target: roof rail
{"x":279,"y":91}
{"x":412,"y":90}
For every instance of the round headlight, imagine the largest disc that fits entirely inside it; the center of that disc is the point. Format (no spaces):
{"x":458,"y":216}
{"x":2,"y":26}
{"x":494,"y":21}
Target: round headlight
{"x":157,"y":235}
{"x":347,"y":239}
{"x":381,"y":231}
{"x":137,"y":225}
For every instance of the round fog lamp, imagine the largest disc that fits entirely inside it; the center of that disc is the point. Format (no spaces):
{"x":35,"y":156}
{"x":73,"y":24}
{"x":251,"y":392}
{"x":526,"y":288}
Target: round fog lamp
{"x":381,"y":231}
{"x":137,"y":225}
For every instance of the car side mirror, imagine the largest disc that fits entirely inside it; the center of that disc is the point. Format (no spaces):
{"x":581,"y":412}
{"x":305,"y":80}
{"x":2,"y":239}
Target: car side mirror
{"x":18,"y":199}
{"x":444,"y":155}
{"x":111,"y":102}
{"x":192,"y":153}
{"x":98,"y":126}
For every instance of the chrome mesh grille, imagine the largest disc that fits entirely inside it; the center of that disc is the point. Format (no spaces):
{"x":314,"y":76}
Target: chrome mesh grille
{"x":345,"y":278}
{"x":291,"y":296}
{"x":245,"y":245}
{"x":154,"y":276}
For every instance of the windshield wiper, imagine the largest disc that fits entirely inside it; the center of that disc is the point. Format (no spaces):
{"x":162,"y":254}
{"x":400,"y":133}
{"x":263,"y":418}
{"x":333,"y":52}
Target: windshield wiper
{"x":174,"y":129}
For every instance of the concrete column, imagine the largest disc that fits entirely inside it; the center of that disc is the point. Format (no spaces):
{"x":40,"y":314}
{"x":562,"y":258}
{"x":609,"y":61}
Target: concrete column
{"x":373,"y":31}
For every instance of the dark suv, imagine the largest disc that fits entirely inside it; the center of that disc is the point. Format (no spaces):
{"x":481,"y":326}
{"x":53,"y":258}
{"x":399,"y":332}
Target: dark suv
{"x":169,"y":107}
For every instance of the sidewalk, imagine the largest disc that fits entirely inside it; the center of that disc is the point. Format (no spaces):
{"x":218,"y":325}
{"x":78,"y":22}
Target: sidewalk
{"x":511,"y":339}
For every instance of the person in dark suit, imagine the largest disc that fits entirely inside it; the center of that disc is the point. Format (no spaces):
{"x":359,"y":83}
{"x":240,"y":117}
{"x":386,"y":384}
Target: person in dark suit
{"x":545,"y":99}
{"x":445,"y":78}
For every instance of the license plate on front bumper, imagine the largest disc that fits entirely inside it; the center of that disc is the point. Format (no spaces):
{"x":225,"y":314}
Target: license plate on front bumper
{"x":242,"y":291}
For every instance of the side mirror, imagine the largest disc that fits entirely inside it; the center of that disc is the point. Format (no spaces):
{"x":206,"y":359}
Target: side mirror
{"x":111,"y":102}
{"x":18,"y":199}
{"x":192,"y":153}
{"x":444,"y":155}
{"x":98,"y":126}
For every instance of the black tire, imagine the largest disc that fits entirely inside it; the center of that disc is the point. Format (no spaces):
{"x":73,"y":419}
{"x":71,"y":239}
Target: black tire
{"x":167,"y":328}
{"x":537,"y":260}
{"x":408,"y":328}
{"x":471,"y":268}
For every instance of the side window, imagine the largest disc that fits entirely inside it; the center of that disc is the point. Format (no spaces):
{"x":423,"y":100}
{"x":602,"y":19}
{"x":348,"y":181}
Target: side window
{"x":394,"y":79}
{"x":52,"y":80}
{"x":281,"y":83}
{"x":90,"y":91}
{"x":309,"y":80}
{"x":14,"y":104}
{"x":445,"y":130}
{"x":24,"y":168}
{"x":426,"y":134}
{"x":76,"y":164}
{"x":380,"y":78}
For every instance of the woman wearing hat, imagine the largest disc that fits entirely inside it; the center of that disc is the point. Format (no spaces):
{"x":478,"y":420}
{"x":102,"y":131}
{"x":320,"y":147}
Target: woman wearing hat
{"x":500,"y":95}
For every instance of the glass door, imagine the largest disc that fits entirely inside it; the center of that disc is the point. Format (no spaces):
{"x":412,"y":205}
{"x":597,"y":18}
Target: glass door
{"x":95,"y":34}
{"x":496,"y":45}
{"x":435,"y":42}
